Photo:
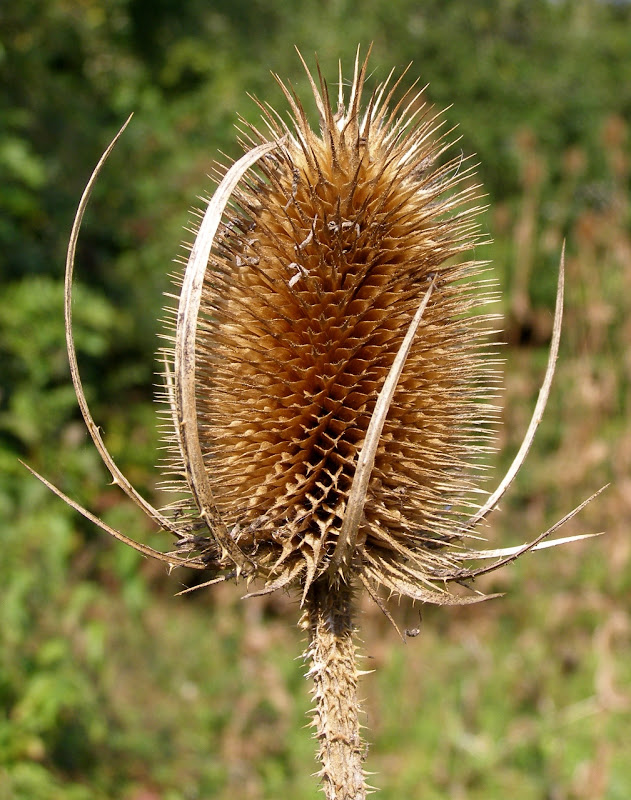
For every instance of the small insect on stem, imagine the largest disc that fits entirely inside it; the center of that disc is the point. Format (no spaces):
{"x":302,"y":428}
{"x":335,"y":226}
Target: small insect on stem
{"x":412,"y":632}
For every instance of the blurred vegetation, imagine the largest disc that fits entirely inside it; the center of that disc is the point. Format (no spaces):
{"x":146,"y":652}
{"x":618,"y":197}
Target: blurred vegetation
{"x":112,"y":688}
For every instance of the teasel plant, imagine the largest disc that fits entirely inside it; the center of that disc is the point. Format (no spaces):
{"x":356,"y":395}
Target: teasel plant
{"x":329,"y":379}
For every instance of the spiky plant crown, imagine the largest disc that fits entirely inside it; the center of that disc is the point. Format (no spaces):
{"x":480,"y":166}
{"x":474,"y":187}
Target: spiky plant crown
{"x":316,"y":275}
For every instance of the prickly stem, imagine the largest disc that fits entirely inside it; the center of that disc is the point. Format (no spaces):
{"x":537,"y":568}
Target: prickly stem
{"x":331,"y":660}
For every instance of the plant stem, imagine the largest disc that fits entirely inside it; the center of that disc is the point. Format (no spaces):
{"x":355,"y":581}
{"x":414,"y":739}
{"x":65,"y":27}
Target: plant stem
{"x":331,"y":658}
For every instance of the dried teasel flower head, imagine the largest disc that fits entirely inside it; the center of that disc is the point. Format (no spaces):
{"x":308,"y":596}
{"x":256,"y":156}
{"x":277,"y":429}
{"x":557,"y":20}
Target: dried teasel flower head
{"x":330,"y":373}
{"x":329,"y":383}
{"x":317,"y":272}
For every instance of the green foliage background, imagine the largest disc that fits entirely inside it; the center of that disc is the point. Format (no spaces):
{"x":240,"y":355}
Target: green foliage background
{"x":110,"y":687}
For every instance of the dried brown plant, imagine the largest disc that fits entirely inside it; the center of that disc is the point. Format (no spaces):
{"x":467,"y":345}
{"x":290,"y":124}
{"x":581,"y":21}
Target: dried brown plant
{"x":329,"y":386}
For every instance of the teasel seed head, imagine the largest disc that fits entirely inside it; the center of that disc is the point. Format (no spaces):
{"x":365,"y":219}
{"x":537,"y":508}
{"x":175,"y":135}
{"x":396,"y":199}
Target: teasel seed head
{"x":317,"y":272}
{"x":329,"y":381}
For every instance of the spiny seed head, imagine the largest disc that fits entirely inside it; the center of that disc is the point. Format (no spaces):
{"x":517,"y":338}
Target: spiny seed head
{"x":317,"y":270}
{"x":323,"y":423}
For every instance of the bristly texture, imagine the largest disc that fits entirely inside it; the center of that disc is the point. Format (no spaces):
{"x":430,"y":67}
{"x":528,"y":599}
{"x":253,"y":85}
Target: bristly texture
{"x":314,"y":279}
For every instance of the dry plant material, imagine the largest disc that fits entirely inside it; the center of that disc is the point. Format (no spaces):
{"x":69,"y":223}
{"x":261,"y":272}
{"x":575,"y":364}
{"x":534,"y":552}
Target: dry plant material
{"x":330,"y":381}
